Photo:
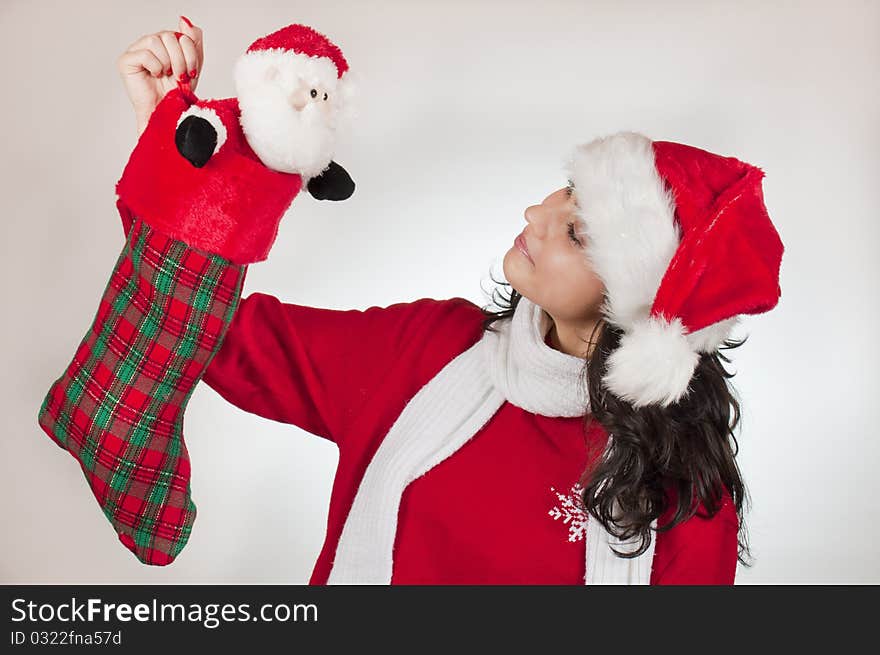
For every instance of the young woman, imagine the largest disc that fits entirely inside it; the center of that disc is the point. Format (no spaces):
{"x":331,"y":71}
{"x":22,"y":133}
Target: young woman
{"x":582,"y":434}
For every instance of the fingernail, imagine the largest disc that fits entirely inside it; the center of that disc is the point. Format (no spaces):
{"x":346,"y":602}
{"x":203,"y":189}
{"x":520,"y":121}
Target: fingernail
{"x":192,"y":73}
{"x":168,"y":72}
{"x":178,"y":35}
{"x":187,"y":21}
{"x":183,"y":77}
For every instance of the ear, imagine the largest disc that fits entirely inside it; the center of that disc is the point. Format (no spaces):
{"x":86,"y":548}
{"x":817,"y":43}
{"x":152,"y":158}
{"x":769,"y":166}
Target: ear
{"x":333,"y":183}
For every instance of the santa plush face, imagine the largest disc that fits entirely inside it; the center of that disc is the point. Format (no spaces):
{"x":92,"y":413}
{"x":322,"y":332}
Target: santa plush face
{"x":290,"y":105}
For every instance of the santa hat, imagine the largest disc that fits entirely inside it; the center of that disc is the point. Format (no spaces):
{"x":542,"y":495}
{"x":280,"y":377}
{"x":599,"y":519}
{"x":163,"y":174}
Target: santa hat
{"x":684,"y":245}
{"x":299,"y":49}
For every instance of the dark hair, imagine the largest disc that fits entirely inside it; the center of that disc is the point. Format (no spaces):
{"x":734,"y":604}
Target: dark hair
{"x":683,"y":448}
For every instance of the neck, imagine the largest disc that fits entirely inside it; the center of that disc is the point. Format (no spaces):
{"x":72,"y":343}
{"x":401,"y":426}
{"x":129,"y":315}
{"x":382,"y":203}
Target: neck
{"x":573,"y":338}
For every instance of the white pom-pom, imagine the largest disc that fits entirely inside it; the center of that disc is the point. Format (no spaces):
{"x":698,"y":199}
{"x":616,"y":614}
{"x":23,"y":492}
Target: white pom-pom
{"x":653,"y":364}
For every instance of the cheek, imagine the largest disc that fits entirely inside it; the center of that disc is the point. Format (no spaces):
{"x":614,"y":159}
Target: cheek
{"x":576,"y":291}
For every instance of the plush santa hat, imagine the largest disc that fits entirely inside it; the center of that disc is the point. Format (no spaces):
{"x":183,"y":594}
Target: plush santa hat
{"x":684,"y":245}
{"x":300,"y":49}
{"x":263,"y":76}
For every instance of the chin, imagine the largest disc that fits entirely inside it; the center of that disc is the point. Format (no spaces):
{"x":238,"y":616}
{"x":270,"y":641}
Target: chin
{"x":286,"y":140}
{"x":513,"y":272}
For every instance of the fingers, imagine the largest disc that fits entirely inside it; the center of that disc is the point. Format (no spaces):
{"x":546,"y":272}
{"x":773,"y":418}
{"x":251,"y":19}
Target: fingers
{"x":153,"y":44}
{"x":190,"y":55}
{"x":195,"y":34}
{"x":175,"y":53}
{"x":172,"y":53}
{"x":132,"y":62}
{"x":192,"y":34}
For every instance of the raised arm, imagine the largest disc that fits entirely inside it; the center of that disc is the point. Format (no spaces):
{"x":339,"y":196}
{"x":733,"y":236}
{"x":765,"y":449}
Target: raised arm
{"x":316,"y":368}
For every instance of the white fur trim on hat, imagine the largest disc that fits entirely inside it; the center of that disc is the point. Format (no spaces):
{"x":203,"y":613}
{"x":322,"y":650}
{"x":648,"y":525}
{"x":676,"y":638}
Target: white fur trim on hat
{"x":629,"y":220}
{"x":709,"y":338}
{"x":286,"y":67}
{"x":628,"y":216}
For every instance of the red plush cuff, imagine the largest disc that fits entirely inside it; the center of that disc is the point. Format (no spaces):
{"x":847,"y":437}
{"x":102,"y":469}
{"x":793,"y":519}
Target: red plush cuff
{"x":230,"y":206}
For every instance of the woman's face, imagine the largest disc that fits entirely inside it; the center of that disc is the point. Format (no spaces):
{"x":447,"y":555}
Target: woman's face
{"x":555,"y":274}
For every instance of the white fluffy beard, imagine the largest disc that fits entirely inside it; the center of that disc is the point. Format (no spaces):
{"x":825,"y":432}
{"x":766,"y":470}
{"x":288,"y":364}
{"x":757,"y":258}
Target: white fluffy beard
{"x":285,"y":139}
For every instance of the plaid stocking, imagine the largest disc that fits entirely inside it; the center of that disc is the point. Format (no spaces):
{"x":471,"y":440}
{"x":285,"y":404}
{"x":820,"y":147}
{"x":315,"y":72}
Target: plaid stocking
{"x":119,"y":406}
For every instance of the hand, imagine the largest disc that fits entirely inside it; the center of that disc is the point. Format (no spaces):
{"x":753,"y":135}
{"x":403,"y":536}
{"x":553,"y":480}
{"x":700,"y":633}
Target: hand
{"x":333,"y":183}
{"x":152,"y":66}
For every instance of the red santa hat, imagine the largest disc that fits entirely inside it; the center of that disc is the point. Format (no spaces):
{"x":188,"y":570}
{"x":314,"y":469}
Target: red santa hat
{"x":302,"y":49}
{"x":684,"y":245}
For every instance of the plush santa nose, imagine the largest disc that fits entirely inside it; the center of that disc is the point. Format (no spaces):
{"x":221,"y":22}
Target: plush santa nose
{"x":299,"y":98}
{"x":196,"y":140}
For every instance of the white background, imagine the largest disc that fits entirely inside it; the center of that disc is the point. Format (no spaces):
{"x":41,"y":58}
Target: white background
{"x":466,"y":113}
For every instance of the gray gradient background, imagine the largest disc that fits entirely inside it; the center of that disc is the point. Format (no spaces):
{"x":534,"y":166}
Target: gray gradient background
{"x":466,"y":112}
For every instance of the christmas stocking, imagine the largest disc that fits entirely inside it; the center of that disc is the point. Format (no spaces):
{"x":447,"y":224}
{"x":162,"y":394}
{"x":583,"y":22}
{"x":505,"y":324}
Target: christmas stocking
{"x":119,"y":406}
{"x":198,"y":205}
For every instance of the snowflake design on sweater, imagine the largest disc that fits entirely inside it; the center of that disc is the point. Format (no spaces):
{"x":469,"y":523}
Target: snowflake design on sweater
{"x":570,"y":509}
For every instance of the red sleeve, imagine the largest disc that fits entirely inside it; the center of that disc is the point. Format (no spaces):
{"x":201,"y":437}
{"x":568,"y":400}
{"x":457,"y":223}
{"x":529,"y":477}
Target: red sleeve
{"x":699,"y":551}
{"x":314,"y":367}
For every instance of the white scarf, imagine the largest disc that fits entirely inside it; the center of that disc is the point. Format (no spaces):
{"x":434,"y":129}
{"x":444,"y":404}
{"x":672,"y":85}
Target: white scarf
{"x":513,"y":365}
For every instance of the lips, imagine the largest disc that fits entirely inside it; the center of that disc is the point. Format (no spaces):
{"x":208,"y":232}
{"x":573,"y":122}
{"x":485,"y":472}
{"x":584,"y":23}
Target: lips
{"x":520,"y":243}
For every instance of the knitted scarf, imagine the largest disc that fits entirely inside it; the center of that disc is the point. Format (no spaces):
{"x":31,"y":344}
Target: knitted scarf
{"x":513,"y":365}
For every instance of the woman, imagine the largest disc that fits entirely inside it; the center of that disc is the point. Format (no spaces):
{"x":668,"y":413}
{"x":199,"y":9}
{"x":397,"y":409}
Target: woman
{"x":582,"y":434}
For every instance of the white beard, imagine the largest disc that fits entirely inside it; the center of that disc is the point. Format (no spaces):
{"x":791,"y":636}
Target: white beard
{"x":285,"y":139}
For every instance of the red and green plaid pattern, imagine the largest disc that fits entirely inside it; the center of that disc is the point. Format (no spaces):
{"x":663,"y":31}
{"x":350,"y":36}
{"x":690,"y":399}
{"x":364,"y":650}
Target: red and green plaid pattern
{"x":119,"y":406}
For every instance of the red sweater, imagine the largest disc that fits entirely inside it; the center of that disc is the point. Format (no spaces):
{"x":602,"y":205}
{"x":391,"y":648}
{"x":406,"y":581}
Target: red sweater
{"x":492,"y":513}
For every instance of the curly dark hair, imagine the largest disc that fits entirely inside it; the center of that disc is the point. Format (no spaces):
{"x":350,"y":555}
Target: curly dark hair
{"x":688,"y":447}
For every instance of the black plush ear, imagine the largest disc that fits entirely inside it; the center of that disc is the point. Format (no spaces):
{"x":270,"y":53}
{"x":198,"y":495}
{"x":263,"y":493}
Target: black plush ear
{"x":333,"y":183}
{"x":196,"y":140}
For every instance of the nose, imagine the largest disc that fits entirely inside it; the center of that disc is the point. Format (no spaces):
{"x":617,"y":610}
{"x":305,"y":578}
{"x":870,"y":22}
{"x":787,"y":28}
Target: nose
{"x":299,"y":98}
{"x":535,"y":216}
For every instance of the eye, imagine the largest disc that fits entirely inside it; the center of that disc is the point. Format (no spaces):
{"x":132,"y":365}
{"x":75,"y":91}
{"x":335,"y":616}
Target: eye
{"x":572,"y":235}
{"x":314,"y":93}
{"x":325,"y":96}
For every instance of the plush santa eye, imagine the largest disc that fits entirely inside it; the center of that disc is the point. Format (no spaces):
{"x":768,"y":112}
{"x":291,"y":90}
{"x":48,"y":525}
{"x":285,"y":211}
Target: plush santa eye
{"x":314,"y":93}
